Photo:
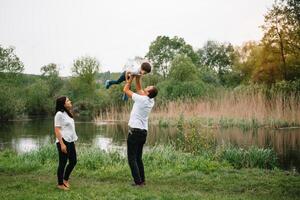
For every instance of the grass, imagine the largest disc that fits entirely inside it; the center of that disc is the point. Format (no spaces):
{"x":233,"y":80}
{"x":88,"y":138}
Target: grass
{"x":170,"y":174}
{"x":249,"y":158}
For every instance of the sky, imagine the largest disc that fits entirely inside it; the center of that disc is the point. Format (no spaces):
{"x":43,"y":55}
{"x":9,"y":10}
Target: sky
{"x":113,"y":31}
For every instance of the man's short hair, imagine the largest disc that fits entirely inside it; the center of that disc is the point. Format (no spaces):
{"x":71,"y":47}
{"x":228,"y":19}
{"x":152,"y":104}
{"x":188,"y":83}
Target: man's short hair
{"x":146,"y":67}
{"x":152,"y":92}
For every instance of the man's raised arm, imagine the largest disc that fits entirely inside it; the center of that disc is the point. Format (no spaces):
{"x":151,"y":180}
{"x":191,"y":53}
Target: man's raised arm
{"x":138,"y":85}
{"x":126,"y":88}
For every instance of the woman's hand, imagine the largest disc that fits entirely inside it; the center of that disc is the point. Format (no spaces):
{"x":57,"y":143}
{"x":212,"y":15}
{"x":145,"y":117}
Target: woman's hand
{"x":63,"y":148}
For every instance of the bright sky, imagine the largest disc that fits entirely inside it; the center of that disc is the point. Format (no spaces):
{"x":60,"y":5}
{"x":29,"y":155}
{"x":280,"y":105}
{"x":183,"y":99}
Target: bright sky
{"x":60,"y":31}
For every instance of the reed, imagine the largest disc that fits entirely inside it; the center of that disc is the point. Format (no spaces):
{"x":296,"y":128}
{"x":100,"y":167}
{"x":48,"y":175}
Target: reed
{"x":244,"y":109}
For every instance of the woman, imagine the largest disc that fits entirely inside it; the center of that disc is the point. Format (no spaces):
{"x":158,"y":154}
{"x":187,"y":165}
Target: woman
{"x":65,"y":137}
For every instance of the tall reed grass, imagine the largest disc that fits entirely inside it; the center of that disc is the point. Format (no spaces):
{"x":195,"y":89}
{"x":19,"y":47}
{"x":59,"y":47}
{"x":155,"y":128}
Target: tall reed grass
{"x":245,"y":108}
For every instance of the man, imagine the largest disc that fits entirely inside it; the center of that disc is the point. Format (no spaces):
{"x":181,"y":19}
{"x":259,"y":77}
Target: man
{"x":138,"y":127}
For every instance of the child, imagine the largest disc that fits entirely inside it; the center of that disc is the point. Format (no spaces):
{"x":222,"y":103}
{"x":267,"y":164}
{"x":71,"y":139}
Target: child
{"x":134,"y":70}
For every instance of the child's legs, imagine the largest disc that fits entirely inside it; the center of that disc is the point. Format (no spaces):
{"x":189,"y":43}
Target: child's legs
{"x":120,"y":80}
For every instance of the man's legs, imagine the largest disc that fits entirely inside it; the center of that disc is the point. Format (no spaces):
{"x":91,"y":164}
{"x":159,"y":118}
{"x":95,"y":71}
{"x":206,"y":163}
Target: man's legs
{"x":135,"y":142}
{"x":139,"y":160}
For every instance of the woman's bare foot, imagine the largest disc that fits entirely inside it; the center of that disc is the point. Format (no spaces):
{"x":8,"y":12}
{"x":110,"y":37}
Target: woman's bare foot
{"x":66,"y":183}
{"x":62,"y":187}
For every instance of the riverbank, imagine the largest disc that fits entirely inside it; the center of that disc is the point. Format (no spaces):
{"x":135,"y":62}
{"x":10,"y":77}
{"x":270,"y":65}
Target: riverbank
{"x":170,"y":175}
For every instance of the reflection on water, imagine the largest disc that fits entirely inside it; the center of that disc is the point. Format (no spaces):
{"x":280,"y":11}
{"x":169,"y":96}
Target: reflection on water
{"x":30,"y":135}
{"x":24,"y":144}
{"x":107,"y":144}
{"x":103,"y":143}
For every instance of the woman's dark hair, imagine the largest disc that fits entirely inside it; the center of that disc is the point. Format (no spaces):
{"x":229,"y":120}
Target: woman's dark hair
{"x":60,"y":106}
{"x":146,"y":67}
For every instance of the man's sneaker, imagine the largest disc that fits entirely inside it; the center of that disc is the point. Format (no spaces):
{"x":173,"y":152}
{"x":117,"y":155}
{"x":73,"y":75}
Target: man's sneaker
{"x":107,"y":84}
{"x":137,"y":184}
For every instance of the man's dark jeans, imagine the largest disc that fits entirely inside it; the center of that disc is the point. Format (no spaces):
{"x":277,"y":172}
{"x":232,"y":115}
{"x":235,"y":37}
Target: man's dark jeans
{"x":135,"y":142}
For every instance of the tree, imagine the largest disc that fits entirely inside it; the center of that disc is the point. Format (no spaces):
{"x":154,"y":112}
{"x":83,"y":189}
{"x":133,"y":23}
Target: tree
{"x":248,"y":58}
{"x":217,"y":56}
{"x":282,"y":37}
{"x":9,"y":61}
{"x":266,"y":68}
{"x":163,"y":50}
{"x":38,"y":98}
{"x":292,"y":10}
{"x":82,"y":87}
{"x":86,"y":69}
{"x":183,"y":69}
{"x":51,"y":74}
{"x":275,"y":37}
{"x":50,"y":70}
{"x":11,"y":103}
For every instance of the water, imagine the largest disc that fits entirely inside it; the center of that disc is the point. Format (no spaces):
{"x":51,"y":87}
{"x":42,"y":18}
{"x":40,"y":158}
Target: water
{"x":26,"y":136}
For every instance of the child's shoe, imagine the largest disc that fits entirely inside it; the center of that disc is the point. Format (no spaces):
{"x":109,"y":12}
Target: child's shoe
{"x":107,"y":84}
{"x":124,"y":97}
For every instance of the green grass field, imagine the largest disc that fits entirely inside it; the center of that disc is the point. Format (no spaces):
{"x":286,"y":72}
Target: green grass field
{"x":170,"y":175}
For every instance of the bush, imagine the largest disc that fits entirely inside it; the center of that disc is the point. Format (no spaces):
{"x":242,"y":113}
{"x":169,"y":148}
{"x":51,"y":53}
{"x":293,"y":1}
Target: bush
{"x":38,"y":99}
{"x":191,"y":138}
{"x":11,"y":105}
{"x":253,"y":157}
{"x":172,"y":90}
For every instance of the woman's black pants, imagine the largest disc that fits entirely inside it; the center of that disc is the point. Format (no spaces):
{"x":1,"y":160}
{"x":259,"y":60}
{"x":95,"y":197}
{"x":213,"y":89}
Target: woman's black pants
{"x":63,"y":172}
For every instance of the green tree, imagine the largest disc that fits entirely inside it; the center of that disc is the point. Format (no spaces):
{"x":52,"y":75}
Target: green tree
{"x":282,"y":38}
{"x":164,"y":49}
{"x":38,"y":98}
{"x":82,"y":87}
{"x":219,"y":57}
{"x":86,"y":69}
{"x":11,"y":103}
{"x":292,"y":12}
{"x":50,"y":70}
{"x":9,"y":61}
{"x":257,"y":63}
{"x":183,"y":69}
{"x":50,"y":73}
{"x":249,"y":58}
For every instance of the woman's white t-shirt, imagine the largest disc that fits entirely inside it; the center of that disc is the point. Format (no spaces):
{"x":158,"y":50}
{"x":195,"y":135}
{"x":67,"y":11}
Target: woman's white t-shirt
{"x":66,"y":125}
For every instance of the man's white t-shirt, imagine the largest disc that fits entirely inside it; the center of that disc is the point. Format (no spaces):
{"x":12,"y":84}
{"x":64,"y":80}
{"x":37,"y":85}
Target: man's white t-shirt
{"x":67,"y":126}
{"x":140,"y":111}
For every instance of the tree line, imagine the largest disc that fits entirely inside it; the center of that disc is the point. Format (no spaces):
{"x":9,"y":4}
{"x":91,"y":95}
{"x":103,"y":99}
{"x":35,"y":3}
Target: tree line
{"x":180,"y":70}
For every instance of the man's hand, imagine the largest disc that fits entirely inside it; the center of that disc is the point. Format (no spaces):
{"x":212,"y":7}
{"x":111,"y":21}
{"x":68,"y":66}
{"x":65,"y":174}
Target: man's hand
{"x":129,"y":80}
{"x":128,"y":75}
